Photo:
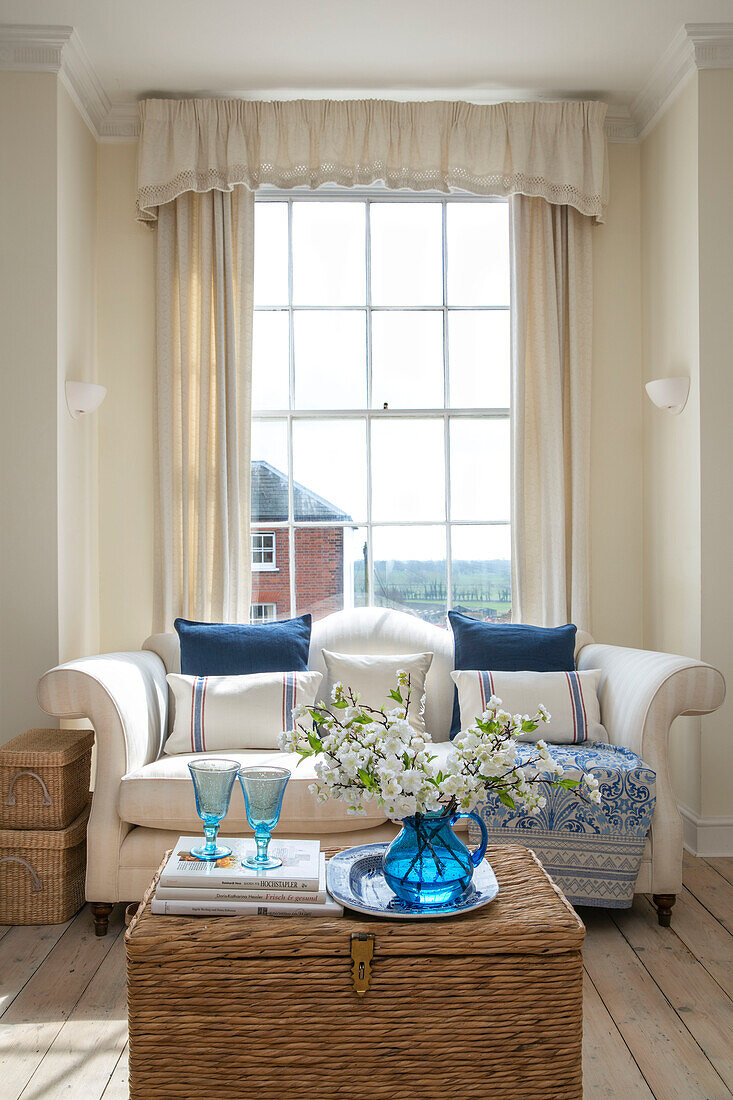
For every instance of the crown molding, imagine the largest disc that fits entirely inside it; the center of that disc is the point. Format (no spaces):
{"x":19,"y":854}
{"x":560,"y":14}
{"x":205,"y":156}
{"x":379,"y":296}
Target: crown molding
{"x":620,"y":126}
{"x":695,"y":46}
{"x":121,"y":124}
{"x":57,"y":49}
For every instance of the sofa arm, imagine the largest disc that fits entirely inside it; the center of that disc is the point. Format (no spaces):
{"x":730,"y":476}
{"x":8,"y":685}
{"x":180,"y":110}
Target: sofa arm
{"x":125,"y":697}
{"x":641,"y":693}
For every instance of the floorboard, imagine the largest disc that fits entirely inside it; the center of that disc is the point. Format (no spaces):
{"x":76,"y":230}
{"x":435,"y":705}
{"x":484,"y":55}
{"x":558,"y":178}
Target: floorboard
{"x":83,"y":1056}
{"x":672,"y":1063}
{"x":658,"y":1003}
{"x":22,"y":951}
{"x":609,"y":1070}
{"x":710,"y":888}
{"x":723,"y":865}
{"x":707,"y":939}
{"x":118,"y":1084}
{"x":707,"y":1011}
{"x":38,"y":1013}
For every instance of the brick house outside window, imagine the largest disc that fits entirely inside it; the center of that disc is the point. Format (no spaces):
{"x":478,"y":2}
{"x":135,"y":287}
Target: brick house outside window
{"x":319,"y":548}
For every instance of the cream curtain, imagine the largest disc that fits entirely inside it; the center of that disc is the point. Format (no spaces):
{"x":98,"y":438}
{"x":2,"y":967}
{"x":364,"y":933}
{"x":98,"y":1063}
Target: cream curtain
{"x":199,"y":163}
{"x":205,"y":250}
{"x":552,"y":315}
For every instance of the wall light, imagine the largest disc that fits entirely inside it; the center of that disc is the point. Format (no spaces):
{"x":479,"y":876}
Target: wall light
{"x":84,"y":397}
{"x":669,"y":393}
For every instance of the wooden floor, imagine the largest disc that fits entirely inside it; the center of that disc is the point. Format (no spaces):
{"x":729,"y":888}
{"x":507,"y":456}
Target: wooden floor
{"x":658,"y":1002}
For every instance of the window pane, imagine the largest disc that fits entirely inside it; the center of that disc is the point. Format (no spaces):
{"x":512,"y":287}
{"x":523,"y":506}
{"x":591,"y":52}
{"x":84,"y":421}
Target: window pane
{"x":272,"y":586}
{"x":270,"y":360}
{"x":479,"y":463}
{"x":330,"y":359}
{"x":269,"y":471}
{"x":409,"y":570}
{"x":329,"y":569}
{"x":478,"y":354}
{"x":329,"y":267}
{"x":271,"y":254}
{"x":407,"y":253}
{"x":329,"y":466}
{"x":482,"y":571}
{"x":407,"y":360}
{"x":478,"y":253}
{"x":408,"y":470}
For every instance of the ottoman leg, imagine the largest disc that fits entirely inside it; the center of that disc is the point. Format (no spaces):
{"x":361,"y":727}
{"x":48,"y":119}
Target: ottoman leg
{"x":101,"y":911}
{"x":664,"y":903}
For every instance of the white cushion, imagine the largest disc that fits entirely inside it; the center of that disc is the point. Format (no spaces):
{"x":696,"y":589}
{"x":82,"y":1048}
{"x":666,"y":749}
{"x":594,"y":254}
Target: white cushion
{"x":570,"y":697}
{"x":160,"y":796}
{"x":373,"y":677}
{"x":236,"y":712}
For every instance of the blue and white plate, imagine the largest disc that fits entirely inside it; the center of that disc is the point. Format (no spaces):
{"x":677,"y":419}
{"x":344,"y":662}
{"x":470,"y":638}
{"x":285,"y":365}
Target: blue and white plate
{"x":355,"y":879}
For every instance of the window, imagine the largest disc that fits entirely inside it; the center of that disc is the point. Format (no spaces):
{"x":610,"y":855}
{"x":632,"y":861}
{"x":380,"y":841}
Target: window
{"x":381,"y":378}
{"x":263,"y":550}
{"x":262,"y":612}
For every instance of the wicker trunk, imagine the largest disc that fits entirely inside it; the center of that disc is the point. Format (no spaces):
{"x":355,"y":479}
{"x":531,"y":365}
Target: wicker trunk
{"x":485,"y":1005}
{"x":44,"y":778}
{"x":42,"y":873}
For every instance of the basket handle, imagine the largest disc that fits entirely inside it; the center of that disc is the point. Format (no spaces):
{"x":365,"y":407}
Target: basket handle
{"x":10,"y":800}
{"x":37,"y":884}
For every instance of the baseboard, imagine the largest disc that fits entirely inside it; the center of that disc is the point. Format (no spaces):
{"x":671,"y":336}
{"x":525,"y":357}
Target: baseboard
{"x":707,"y":836}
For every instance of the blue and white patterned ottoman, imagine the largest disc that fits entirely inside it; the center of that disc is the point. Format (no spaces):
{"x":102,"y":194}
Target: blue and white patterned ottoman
{"x":593,"y":852}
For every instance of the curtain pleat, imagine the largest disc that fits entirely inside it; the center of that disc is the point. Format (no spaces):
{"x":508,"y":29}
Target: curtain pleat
{"x":552,"y":312}
{"x":205,"y":262}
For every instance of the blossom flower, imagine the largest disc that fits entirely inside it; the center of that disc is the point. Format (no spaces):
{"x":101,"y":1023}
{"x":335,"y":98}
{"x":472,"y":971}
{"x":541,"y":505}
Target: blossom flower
{"x":362,"y":755}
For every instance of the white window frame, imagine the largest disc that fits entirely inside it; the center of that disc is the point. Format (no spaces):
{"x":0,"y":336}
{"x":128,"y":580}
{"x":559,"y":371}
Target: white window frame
{"x":290,"y":415}
{"x":263,"y":566}
{"x":269,"y":613}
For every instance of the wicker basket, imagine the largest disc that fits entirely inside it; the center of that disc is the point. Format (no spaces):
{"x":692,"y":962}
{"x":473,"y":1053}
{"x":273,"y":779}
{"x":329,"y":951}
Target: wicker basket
{"x":44,"y":778}
{"x":42,"y":873}
{"x":485,"y":1005}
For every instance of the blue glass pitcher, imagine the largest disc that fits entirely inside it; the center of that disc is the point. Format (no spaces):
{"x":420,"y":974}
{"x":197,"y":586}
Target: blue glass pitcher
{"x":427,"y":865}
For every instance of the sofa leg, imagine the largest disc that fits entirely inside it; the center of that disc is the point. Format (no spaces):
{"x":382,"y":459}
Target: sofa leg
{"x":101,"y":911}
{"x":664,"y":903}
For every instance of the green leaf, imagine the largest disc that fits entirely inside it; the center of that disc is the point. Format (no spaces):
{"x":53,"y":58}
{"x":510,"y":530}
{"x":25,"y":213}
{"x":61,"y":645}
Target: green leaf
{"x":506,"y":799}
{"x":341,"y":704}
{"x":395,"y":694}
{"x":568,"y":784}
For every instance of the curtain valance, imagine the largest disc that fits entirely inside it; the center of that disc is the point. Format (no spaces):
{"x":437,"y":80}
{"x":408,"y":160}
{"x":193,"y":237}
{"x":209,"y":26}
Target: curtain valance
{"x":556,"y":151}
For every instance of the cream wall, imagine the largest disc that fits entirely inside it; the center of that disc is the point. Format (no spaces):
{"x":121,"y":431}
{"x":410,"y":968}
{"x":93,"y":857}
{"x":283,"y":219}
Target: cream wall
{"x":126,"y":350}
{"x":715,"y":176}
{"x":670,"y":297}
{"x":28,"y":425}
{"x":49,"y":590}
{"x":616,"y":437}
{"x":78,"y":483}
{"x":126,"y":365}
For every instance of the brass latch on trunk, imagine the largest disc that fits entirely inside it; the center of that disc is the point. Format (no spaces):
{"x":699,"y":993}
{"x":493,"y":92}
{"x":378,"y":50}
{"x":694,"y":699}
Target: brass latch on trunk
{"x":362,"y":953}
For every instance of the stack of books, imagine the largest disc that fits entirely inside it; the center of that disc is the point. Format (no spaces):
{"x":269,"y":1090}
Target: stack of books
{"x":188,"y":886}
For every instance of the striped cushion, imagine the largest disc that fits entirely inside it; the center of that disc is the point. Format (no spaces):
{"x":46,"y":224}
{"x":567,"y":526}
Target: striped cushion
{"x":570,"y":697}
{"x":236,"y":712}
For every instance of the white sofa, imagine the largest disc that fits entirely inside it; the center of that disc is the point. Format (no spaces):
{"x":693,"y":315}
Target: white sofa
{"x":143,"y":800}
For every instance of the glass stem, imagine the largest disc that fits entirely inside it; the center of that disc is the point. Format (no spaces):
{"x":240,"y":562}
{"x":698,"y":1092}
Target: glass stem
{"x":262,"y":840}
{"x":210,"y":832}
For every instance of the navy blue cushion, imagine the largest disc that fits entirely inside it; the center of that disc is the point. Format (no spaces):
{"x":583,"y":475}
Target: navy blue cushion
{"x":231,"y":649}
{"x":509,"y":647}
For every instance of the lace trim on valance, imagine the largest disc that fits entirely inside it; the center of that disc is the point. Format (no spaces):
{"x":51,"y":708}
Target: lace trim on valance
{"x":190,"y":150}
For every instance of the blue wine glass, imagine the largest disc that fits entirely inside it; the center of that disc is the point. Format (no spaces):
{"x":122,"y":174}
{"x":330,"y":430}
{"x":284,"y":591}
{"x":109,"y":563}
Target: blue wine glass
{"x":213,"y":780}
{"x":263,"y":789}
